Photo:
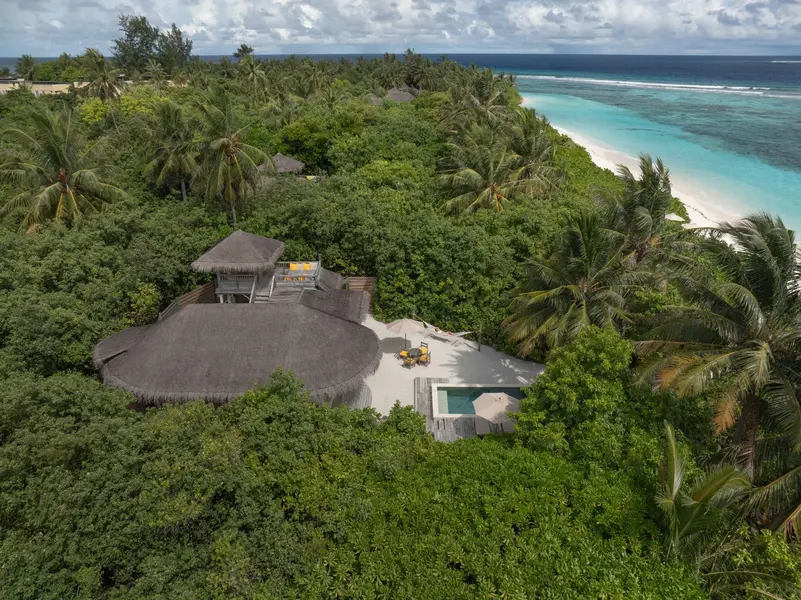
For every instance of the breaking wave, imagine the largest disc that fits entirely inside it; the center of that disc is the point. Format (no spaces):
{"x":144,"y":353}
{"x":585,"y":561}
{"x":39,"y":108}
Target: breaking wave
{"x":689,"y":87}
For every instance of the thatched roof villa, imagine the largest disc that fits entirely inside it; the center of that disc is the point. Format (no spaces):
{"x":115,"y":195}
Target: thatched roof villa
{"x":278,"y":316}
{"x":287,"y":164}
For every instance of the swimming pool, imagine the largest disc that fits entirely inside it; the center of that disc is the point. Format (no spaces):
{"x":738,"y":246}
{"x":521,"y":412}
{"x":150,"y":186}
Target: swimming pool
{"x":458,"y":399}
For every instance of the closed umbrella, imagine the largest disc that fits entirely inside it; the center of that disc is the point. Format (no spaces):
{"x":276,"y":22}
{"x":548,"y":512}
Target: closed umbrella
{"x":405,"y":326}
{"x":494,"y":406}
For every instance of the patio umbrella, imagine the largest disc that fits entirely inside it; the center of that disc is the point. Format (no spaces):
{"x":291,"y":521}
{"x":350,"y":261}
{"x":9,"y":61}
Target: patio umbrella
{"x":493,"y":407}
{"x":405,"y":326}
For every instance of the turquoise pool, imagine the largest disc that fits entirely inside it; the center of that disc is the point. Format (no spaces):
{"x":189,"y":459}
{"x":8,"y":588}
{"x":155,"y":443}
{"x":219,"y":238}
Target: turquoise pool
{"x":459,"y":400}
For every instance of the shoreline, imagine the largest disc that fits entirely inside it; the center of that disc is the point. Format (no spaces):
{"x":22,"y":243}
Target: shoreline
{"x":703,"y":206}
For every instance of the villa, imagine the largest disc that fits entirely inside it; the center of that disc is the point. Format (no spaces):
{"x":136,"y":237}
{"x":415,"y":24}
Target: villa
{"x":258,"y":315}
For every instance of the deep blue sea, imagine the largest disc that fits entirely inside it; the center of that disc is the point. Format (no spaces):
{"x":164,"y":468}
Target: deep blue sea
{"x":728,"y":124}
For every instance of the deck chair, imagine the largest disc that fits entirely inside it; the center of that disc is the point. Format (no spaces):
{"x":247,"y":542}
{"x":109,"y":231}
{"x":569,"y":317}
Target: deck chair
{"x":425,"y":359}
{"x":409,"y":362}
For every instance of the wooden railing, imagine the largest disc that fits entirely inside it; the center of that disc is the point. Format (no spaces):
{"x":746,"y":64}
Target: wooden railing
{"x":366,"y":284}
{"x":297,"y":272}
{"x":200,"y":295}
{"x":231,"y":283}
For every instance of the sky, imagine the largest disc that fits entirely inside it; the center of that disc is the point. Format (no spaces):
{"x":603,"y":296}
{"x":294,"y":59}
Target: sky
{"x":49,"y":27}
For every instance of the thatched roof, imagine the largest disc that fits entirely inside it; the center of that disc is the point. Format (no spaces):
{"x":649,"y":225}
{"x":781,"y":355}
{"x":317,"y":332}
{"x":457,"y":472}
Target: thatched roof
{"x":398,"y":95}
{"x":351,"y":305}
{"x":240,"y":252}
{"x":287,"y":164}
{"x":216,"y":352}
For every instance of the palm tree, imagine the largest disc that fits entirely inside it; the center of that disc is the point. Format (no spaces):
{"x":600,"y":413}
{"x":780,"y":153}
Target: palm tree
{"x":315,"y":77}
{"x":226,"y":69}
{"x":584,"y":283}
{"x":704,"y":529}
{"x":104,"y":81}
{"x":157,"y":74}
{"x":536,"y":152}
{"x":25,"y":66}
{"x":639,"y":212}
{"x":480,"y":171}
{"x":229,"y":165}
{"x":691,"y":512}
{"x":172,"y":156}
{"x":54,"y":173}
{"x":740,"y":339}
{"x":255,"y":77}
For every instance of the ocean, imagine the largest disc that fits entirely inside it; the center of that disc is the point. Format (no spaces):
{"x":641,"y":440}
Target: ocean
{"x":729,"y":124}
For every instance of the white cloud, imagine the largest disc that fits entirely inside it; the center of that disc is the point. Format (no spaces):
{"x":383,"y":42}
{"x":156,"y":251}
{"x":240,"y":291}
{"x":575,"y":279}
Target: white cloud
{"x":46,"y":27}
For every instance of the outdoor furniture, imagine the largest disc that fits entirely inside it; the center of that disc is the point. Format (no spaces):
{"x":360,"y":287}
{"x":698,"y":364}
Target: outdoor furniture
{"x":405,"y":326}
{"x":411,"y":356}
{"x":492,"y":407}
{"x":425,"y":359}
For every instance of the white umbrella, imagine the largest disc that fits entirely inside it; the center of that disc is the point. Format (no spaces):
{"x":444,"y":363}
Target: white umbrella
{"x":405,"y":326}
{"x":493,"y":407}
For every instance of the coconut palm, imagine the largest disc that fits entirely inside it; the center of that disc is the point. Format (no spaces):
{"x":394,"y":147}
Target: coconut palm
{"x":537,"y":153}
{"x":704,"y":529}
{"x":254,"y":76}
{"x":53,"y":172}
{"x":25,"y":66}
{"x":584,"y":283}
{"x":157,"y":74}
{"x":639,"y":211}
{"x":229,"y":165}
{"x":692,"y":511}
{"x":315,"y":77}
{"x":172,"y":153}
{"x":104,"y":81}
{"x":480,"y":171}
{"x":740,"y":339}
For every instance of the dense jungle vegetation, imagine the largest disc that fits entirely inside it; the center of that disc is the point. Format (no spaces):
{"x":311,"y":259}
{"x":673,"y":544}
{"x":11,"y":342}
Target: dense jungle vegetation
{"x":656,"y":457}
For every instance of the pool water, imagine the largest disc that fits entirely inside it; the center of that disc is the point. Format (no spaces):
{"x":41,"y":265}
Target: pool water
{"x":459,"y":400}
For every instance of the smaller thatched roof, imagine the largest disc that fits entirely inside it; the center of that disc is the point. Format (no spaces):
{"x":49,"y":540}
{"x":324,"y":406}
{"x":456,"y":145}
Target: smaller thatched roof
{"x":398,"y":95}
{"x":287,"y":164}
{"x":240,"y":252}
{"x":351,"y":305}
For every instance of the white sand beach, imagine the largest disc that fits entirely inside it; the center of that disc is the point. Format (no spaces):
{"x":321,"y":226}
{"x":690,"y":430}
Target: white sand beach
{"x":703,"y":205}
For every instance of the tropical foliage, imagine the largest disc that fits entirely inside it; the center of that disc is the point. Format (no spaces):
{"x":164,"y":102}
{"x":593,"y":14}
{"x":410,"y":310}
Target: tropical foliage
{"x":54,"y":172}
{"x":474,"y":214}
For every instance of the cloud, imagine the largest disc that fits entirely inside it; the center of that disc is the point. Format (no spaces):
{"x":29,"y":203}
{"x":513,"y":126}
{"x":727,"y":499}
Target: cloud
{"x":48,"y":27}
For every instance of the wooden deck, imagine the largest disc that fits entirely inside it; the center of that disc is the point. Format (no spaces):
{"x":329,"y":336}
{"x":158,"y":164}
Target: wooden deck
{"x":444,"y":429}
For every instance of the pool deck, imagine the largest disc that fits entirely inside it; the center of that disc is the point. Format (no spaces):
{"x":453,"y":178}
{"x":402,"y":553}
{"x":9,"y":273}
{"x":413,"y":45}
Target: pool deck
{"x":444,"y":429}
{"x":459,"y":364}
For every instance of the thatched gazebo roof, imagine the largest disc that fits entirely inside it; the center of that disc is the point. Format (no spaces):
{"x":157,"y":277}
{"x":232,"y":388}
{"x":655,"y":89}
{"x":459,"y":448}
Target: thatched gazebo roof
{"x":240,"y":252}
{"x":399,"y":95}
{"x":287,"y":164}
{"x":216,"y":352}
